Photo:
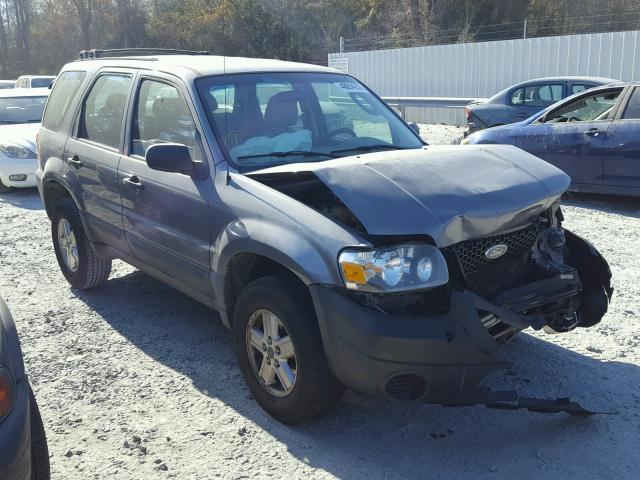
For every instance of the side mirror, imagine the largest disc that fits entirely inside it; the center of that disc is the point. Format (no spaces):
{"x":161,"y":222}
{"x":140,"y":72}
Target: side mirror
{"x":170,"y":157}
{"x":414,"y":126}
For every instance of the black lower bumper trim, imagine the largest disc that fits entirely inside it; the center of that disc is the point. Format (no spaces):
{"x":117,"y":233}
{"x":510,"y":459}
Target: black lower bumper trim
{"x":510,"y":400}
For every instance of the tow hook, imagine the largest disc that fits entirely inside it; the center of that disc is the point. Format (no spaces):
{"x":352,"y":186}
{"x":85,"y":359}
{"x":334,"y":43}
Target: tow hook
{"x":511,"y":400}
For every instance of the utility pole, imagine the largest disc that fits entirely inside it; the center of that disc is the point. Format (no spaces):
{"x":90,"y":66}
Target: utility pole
{"x":524,"y":30}
{"x":341,"y":44}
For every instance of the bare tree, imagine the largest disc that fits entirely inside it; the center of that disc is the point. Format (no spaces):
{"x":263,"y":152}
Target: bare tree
{"x":85,"y":10}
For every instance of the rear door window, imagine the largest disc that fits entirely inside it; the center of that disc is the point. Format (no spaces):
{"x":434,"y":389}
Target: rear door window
{"x":632,"y":110}
{"x":102,"y":114}
{"x":63,"y":93}
{"x":580,"y":87}
{"x":537,"y":95}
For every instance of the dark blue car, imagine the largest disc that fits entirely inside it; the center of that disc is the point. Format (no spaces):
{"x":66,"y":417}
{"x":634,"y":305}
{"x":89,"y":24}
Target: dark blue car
{"x":524,"y":99}
{"x":594,"y":136}
{"x":23,"y":444}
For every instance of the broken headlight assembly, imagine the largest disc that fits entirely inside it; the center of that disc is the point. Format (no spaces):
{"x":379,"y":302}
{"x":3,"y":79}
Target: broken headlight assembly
{"x":393,"y":269}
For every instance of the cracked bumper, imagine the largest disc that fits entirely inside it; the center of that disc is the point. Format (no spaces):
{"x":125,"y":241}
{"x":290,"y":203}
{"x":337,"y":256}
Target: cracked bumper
{"x":366,"y":348}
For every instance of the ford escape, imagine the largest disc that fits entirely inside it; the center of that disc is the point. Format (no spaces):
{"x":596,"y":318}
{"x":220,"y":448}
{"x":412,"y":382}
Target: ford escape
{"x":339,"y":248}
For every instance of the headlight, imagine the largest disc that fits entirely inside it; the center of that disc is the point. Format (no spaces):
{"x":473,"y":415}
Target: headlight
{"x":466,"y":140}
{"x":15,"y":151}
{"x":6,"y":392}
{"x":393,"y":269}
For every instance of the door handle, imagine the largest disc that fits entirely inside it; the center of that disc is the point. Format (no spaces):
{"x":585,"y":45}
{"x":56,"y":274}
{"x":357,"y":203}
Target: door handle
{"x":593,"y":132}
{"x":75,"y":161}
{"x":133,"y":181}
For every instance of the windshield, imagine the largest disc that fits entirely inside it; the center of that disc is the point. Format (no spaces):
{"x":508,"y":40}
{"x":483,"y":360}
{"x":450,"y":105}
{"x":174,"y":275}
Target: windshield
{"x":273,"y":119}
{"x":21,"y":109}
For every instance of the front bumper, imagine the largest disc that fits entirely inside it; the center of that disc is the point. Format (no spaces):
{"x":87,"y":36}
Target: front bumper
{"x":366,"y":349}
{"x":10,"y":167}
{"x":15,"y":437}
{"x":442,"y":359}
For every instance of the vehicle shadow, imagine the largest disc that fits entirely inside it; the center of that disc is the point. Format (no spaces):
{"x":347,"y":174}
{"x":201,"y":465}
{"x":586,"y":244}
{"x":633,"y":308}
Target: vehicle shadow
{"x":619,"y":205}
{"x":380,"y":439}
{"x":26,"y":198}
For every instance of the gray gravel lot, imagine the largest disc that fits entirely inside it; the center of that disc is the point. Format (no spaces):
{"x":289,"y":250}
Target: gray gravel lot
{"x":135,"y":380}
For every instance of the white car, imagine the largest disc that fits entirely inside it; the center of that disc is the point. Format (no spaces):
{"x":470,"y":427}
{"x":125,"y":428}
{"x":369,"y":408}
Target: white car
{"x":34,"y":81}
{"x":20,"y":117}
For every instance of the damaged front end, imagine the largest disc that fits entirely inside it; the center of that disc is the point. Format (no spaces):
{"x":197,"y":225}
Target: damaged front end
{"x":509,"y":265}
{"x":437,"y":345}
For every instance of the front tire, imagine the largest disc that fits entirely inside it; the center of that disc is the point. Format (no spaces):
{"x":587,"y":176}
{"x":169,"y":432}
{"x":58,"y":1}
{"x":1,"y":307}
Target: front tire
{"x":78,"y":261}
{"x":4,"y":188}
{"x":40,"y":469}
{"x":279,"y":350}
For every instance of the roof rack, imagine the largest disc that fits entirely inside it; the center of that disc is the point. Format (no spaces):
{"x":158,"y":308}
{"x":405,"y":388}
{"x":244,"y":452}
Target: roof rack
{"x":126,"y":52}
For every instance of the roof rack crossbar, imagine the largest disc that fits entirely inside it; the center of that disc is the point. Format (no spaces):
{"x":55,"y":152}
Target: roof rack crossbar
{"x":123,"y":52}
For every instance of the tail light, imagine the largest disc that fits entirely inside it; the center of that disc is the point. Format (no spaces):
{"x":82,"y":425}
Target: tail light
{"x":6,"y":392}
{"x":467,"y":112}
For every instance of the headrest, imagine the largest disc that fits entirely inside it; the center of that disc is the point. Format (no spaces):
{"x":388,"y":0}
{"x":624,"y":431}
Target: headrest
{"x":282,"y":110}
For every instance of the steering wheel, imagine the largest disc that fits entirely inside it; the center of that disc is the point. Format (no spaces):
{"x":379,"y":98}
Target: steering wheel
{"x":344,"y":132}
{"x":574,"y":119}
{"x":235,"y":138}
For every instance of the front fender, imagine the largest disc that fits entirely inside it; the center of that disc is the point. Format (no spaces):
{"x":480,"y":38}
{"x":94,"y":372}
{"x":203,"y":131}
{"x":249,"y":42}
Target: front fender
{"x":310,"y":262}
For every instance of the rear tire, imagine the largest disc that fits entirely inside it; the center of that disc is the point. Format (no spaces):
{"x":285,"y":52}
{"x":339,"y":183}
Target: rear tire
{"x":77,"y":258}
{"x":40,"y":469}
{"x":315,"y":391}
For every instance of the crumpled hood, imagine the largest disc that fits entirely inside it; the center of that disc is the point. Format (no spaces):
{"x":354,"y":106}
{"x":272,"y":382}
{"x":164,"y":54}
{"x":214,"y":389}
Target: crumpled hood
{"x":22,"y":135}
{"x":451,"y":193}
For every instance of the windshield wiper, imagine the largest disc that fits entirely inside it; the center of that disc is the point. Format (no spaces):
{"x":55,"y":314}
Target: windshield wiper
{"x":293,"y":153}
{"x":368,"y":148}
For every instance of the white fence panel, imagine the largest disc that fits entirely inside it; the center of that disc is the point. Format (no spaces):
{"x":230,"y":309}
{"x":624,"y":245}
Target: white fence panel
{"x":481,"y":69}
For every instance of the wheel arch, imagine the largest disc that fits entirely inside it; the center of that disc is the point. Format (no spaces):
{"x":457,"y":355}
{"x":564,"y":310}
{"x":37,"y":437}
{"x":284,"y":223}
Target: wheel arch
{"x":246,"y":266}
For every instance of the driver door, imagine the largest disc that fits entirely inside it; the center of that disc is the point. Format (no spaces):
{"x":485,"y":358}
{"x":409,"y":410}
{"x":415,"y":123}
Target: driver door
{"x":165,"y":215}
{"x":574,"y":136}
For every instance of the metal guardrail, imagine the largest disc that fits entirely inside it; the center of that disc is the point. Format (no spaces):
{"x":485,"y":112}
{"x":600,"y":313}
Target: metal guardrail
{"x":428,"y":102}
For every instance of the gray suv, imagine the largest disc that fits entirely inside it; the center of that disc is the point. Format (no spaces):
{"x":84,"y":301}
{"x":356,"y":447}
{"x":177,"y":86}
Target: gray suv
{"x":339,"y":248}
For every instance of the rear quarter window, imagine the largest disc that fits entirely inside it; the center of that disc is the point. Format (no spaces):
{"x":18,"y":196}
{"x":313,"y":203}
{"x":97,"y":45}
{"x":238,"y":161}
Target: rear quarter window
{"x":65,"y":89}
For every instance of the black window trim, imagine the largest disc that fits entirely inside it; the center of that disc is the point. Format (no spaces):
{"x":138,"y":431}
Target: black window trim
{"x":132,"y":73}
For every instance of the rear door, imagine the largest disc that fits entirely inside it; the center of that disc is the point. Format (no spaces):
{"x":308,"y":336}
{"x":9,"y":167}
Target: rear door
{"x":572,"y":136}
{"x":622,"y":146}
{"x":166,"y":214}
{"x":92,"y":155}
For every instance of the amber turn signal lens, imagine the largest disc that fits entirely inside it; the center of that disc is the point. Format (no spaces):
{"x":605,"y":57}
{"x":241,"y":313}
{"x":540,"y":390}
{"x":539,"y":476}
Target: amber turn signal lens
{"x":353,"y":273}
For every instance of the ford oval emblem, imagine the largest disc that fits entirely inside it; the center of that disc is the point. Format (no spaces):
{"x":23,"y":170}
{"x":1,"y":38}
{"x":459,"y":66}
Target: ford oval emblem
{"x":496,"y":251}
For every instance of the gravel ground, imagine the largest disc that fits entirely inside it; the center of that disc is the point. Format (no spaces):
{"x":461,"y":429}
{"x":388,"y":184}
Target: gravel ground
{"x":135,"y":380}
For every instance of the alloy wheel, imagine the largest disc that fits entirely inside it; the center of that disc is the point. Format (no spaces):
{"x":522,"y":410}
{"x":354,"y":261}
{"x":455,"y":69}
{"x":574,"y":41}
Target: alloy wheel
{"x":271,"y":353}
{"x":68,"y":245}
